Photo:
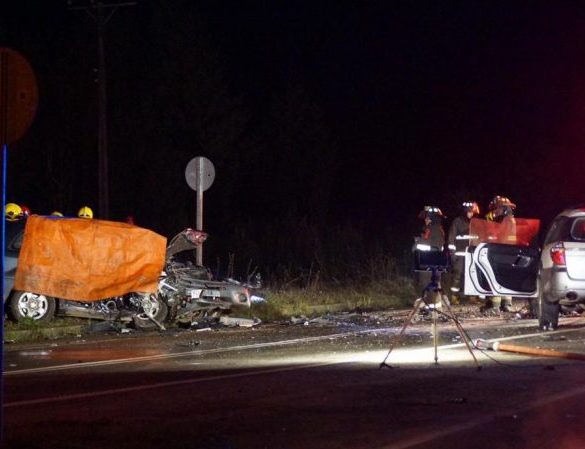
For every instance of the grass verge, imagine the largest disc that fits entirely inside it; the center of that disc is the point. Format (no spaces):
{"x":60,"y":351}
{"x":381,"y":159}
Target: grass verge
{"x":29,"y":330}
{"x":312,"y":301}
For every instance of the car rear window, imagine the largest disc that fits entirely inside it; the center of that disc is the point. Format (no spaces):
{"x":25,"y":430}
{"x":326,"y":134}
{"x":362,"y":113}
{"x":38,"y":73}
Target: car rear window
{"x":578,"y":229}
{"x":559,"y":230}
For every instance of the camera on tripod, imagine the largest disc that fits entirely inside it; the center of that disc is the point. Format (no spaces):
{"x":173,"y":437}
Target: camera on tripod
{"x":434,"y":261}
{"x":431,"y":258}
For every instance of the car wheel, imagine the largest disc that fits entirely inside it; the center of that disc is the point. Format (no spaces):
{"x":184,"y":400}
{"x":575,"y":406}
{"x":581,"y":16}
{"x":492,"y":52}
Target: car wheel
{"x":151,"y":308}
{"x":548,"y":312}
{"x":27,"y":305}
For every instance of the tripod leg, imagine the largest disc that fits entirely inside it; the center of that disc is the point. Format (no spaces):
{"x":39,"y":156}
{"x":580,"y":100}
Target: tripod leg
{"x":417,"y":305}
{"x":460,"y":330}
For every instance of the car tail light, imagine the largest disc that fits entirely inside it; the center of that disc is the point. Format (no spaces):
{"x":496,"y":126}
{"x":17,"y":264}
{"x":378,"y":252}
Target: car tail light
{"x":557,"y":254}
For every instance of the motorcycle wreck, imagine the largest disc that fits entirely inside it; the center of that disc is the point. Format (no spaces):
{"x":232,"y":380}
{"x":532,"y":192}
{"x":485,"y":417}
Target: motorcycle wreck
{"x":115,"y":272}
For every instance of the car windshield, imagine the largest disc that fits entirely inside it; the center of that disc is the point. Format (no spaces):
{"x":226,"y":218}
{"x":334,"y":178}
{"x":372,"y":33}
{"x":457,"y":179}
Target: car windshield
{"x":578,"y":229}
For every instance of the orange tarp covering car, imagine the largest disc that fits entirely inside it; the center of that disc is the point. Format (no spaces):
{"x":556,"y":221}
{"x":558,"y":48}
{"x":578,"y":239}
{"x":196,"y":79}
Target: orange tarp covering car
{"x":88,"y":260}
{"x":512,"y":231}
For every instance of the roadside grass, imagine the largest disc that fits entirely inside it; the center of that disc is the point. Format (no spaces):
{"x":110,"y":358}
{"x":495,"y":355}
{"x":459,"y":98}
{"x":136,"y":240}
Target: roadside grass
{"x":313,"y":301}
{"x":28,"y":324}
{"x":30,"y":330}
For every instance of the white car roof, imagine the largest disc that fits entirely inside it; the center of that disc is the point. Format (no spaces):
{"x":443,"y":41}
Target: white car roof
{"x":579,"y":212}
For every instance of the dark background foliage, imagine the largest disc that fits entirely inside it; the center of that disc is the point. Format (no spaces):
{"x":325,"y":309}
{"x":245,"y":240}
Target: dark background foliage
{"x":330,"y":124}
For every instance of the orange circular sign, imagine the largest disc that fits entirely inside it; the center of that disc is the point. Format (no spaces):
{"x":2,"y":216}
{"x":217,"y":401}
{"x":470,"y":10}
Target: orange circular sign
{"x":18,"y":95}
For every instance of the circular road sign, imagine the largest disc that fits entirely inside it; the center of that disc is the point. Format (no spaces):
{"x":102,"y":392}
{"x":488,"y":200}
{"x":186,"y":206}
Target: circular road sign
{"x":200,"y":173}
{"x":18,"y":95}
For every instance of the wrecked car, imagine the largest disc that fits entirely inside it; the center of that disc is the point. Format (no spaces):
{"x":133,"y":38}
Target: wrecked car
{"x":110,"y":271}
{"x":189,"y":289}
{"x":14,"y":234}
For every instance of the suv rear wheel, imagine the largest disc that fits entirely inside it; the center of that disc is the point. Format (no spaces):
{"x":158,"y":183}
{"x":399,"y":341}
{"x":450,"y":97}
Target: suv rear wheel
{"x":548,"y":312}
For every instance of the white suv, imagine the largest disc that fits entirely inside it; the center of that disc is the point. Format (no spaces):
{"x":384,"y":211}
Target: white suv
{"x":561,"y":278}
{"x":553,"y":277}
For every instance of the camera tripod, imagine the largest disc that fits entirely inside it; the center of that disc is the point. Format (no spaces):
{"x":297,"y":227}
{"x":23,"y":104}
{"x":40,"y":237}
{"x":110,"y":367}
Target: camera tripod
{"x":432,"y":299}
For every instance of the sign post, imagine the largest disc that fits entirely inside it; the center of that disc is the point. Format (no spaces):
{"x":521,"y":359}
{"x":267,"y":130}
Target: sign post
{"x":199,"y":174}
{"x":18,"y":104}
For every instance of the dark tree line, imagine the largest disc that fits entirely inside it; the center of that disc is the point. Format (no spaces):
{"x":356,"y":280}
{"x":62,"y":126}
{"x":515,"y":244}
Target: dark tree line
{"x":169,"y":100}
{"x":329,"y":126}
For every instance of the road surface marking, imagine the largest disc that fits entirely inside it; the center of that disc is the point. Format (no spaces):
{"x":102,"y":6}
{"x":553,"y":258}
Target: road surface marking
{"x":252,"y":346}
{"x":188,"y":353}
{"x":173,"y":383}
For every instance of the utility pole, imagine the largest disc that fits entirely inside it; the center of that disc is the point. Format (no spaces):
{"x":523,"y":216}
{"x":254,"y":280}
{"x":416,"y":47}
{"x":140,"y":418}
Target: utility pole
{"x":102,"y":13}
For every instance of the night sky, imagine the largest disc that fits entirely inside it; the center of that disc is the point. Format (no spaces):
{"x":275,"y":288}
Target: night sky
{"x":336,"y":111}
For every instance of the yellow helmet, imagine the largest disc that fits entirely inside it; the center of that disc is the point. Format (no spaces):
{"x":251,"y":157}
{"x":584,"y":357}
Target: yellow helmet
{"x":85,"y":212}
{"x":56,"y":213}
{"x":13,"y":212}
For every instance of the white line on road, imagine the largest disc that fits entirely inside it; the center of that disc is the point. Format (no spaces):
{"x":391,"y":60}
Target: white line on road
{"x":189,"y":353}
{"x":247,"y":347}
{"x":173,"y":383}
{"x":409,"y":443}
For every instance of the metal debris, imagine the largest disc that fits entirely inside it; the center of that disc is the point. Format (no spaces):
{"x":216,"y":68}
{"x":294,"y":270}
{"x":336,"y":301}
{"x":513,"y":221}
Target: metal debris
{"x":189,"y":344}
{"x":256,"y":299}
{"x":300,"y":320}
{"x":34,"y":353}
{"x":238,"y":322}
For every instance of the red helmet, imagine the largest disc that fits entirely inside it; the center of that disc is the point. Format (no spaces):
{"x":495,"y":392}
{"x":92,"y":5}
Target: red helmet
{"x":501,"y":201}
{"x":25,"y":210}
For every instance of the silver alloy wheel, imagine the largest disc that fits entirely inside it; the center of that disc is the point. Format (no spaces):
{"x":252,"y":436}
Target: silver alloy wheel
{"x":32,"y":305}
{"x":153,"y":312}
{"x":150,"y":305}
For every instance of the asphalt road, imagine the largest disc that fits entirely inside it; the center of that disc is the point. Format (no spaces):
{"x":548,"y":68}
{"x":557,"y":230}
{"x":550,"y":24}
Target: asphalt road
{"x":314,"y":386}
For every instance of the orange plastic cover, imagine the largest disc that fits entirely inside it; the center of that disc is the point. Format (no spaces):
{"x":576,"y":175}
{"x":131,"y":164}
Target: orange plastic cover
{"x":87,"y":260}
{"x":511,"y":231}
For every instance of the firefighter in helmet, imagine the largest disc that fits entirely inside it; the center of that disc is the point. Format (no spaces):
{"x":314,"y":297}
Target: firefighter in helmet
{"x":431,"y":234}
{"x":85,"y":212}
{"x":13,"y":212}
{"x":501,"y":210}
{"x":458,"y":240}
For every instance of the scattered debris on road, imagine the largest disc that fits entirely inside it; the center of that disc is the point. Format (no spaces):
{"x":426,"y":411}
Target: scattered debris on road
{"x":238,"y":322}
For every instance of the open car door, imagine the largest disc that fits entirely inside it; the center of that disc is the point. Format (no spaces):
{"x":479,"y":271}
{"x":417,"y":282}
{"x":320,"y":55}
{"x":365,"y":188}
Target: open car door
{"x":499,"y":262}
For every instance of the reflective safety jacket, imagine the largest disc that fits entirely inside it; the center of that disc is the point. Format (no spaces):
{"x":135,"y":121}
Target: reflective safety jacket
{"x":458,"y":238}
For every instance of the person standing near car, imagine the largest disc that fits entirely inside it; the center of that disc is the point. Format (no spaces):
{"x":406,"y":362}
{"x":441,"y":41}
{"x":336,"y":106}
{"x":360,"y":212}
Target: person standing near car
{"x":458,"y":240}
{"x":501,"y":210}
{"x":432,"y":235}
